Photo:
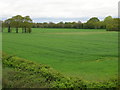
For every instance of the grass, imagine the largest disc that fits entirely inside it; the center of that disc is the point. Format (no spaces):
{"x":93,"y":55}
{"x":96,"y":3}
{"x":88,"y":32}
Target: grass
{"x":42,"y":76}
{"x":87,"y":54}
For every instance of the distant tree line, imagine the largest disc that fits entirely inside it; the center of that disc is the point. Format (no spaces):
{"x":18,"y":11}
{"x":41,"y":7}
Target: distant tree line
{"x":109,"y":23}
{"x":18,"y":22}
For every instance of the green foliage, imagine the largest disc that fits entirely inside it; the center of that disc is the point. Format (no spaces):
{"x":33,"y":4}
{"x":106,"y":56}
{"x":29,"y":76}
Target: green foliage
{"x":107,"y":19}
{"x":113,"y":25}
{"x":109,"y":23}
{"x":21,"y":73}
{"x":92,"y":23}
{"x":19,"y":22}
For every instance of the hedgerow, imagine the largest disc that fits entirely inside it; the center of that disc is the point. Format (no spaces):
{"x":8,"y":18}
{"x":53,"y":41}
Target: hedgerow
{"x":21,"y":73}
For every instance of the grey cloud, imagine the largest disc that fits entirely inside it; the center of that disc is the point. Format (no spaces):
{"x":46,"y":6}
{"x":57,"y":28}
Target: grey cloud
{"x":59,"y":8}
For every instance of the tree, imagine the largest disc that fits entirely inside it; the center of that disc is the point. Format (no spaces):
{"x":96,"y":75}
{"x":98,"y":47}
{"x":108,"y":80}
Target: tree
{"x":102,"y":25}
{"x":60,"y":25}
{"x":113,"y":25}
{"x":107,"y":20}
{"x":17,"y":22}
{"x":92,"y":23}
{"x":1,"y":26}
{"x":27,"y":23}
{"x":78,"y":25}
{"x":8,"y":23}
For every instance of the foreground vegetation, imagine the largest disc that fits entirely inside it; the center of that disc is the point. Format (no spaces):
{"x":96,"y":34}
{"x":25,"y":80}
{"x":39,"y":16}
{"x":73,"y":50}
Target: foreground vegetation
{"x":21,"y":73}
{"x":88,"y":54}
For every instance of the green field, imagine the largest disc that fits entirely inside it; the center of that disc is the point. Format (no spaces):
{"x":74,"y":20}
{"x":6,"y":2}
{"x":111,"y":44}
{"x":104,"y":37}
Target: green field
{"x":88,"y":54}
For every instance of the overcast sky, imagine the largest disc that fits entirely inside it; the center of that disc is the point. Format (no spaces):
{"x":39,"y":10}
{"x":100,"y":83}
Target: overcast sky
{"x":46,"y":10}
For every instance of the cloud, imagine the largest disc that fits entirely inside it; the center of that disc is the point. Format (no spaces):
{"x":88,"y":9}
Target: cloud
{"x":59,"y":8}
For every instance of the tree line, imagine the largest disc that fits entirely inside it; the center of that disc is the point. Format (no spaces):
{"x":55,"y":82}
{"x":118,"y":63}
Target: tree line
{"x":18,"y":22}
{"x":109,"y":23}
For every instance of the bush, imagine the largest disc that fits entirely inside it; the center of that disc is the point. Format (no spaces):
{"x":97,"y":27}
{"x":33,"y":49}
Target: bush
{"x":21,"y":73}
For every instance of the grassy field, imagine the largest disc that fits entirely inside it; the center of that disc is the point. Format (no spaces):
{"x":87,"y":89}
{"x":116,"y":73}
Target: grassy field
{"x":88,"y":54}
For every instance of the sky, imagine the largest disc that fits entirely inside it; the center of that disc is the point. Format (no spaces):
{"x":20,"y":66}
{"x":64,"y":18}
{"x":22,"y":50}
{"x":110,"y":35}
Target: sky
{"x":59,"y":10}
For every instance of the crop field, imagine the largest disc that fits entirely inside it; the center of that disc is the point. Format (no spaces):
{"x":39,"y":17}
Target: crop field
{"x":84,"y":53}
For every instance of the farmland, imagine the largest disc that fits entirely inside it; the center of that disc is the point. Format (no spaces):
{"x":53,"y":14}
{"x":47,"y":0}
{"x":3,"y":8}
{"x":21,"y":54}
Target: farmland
{"x":84,"y":53}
